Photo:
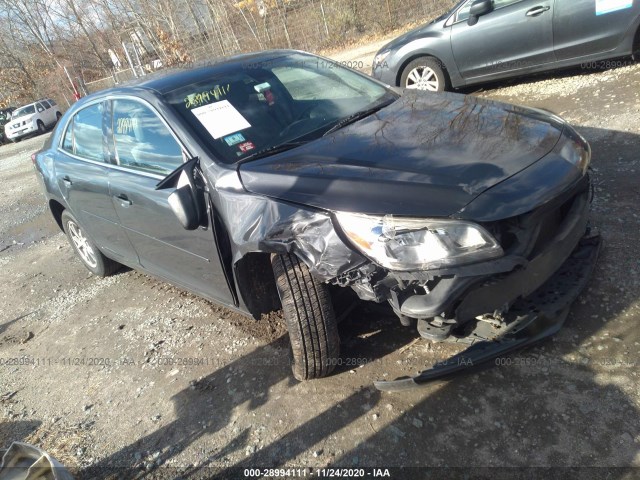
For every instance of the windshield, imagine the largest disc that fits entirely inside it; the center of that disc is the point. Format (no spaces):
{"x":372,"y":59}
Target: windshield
{"x":21,"y":112}
{"x":267,"y":105}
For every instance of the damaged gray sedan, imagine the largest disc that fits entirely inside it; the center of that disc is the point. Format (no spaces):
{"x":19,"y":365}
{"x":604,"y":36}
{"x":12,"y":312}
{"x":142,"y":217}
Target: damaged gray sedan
{"x":274,"y":180}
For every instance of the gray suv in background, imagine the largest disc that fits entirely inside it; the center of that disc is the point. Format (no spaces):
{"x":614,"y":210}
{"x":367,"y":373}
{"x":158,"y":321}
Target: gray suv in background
{"x":485,"y":40}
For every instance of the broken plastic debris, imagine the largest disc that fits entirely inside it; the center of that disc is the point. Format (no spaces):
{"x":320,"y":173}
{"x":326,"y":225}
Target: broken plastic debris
{"x":27,"y":462}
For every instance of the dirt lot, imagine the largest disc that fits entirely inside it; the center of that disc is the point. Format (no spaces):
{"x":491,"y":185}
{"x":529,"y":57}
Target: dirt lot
{"x":104,"y":386}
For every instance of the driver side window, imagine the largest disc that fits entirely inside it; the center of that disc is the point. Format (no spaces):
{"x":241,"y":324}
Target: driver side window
{"x":142,"y":140}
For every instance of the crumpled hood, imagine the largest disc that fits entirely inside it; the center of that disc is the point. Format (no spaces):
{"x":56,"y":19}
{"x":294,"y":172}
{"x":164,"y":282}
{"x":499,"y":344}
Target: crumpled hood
{"x":425,"y":155}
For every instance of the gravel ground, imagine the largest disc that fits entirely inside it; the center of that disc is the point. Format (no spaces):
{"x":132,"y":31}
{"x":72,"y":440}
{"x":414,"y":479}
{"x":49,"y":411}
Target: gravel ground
{"x":130,"y":372}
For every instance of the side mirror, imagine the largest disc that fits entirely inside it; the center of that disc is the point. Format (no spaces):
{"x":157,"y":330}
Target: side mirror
{"x":184,"y":206}
{"x":187,"y":202}
{"x":479,"y":8}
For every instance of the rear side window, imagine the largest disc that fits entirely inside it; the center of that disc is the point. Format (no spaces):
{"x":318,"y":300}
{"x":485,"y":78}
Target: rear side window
{"x":84,"y":134}
{"x":45,"y":104}
{"x":142,"y":141}
{"x":52,"y":102}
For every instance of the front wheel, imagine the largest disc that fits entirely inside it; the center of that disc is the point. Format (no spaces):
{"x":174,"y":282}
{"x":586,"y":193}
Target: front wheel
{"x":426,"y":74}
{"x":308,"y":312}
{"x":41,"y":127}
{"x":87,"y":251}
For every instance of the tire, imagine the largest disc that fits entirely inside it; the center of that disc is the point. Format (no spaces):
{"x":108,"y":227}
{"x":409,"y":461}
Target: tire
{"x":58,"y":116}
{"x":308,"y":313}
{"x":41,"y":127}
{"x":425,"y":73}
{"x":635,"y":51}
{"x":86,"y":249}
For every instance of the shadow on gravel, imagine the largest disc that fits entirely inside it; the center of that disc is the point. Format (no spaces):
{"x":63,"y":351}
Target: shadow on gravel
{"x":208,"y":405}
{"x":543,"y":407}
{"x":16,"y":431}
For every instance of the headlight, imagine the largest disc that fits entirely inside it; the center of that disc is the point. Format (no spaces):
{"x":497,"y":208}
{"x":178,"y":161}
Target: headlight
{"x":574,"y":149}
{"x":418,"y":244}
{"x":380,"y":58}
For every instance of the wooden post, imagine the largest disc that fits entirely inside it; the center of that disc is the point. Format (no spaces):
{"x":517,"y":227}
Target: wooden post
{"x":324,"y":19}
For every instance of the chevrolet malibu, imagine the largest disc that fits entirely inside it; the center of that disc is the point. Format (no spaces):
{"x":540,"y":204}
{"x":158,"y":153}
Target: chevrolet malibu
{"x":276,"y":180}
{"x":486,"y":40}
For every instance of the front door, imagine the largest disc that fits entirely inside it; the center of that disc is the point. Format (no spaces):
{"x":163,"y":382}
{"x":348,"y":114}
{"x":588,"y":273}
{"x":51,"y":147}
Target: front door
{"x":515,"y":35}
{"x":146,"y":151}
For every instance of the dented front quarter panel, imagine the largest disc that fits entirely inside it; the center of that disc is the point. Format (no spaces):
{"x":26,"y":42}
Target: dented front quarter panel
{"x":256,"y":223}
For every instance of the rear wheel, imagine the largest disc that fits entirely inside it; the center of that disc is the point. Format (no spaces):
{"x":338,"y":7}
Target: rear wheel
{"x":425,"y":73}
{"x":308,"y":312}
{"x":86,"y":250}
{"x":58,"y":116}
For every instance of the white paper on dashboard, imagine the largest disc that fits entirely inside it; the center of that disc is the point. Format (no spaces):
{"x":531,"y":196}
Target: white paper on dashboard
{"x":220,"y":119}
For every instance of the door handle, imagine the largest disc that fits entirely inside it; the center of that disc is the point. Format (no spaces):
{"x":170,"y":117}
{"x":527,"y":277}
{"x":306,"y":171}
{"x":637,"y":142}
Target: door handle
{"x":67,"y":181}
{"x":124,"y":200}
{"x":534,"y":12}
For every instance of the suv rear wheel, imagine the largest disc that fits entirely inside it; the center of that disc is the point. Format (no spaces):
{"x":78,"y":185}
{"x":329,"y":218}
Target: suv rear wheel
{"x":308,"y":312}
{"x":85,"y":249}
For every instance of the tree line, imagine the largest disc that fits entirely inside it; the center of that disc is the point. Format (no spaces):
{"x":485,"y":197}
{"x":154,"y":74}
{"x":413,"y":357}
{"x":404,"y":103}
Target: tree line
{"x":55,"y":48}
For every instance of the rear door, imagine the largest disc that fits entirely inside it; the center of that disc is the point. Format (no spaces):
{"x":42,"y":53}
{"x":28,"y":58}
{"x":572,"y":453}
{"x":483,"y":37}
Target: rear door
{"x":41,"y":113}
{"x":145,"y":151}
{"x":587,"y":27}
{"x":81,"y":175}
{"x":516,"y":35}
{"x":49,"y":116}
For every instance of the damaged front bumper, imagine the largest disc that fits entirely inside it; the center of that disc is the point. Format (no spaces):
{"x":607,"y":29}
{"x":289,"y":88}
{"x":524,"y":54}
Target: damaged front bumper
{"x":529,"y":320}
{"x":500,"y":305}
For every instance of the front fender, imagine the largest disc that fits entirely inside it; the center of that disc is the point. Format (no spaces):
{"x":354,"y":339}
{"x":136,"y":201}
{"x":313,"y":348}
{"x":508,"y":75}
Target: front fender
{"x":255,"y":223}
{"x":438,"y":47}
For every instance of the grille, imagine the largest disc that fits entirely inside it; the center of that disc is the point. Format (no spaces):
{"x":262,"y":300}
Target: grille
{"x":529,"y":234}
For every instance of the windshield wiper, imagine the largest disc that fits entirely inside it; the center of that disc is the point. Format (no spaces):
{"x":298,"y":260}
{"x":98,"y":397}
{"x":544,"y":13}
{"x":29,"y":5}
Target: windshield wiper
{"x":355,"y":117}
{"x":281,"y":147}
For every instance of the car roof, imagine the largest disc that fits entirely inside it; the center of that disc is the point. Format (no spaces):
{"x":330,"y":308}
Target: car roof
{"x":32,"y":103}
{"x":29,"y":104}
{"x":168,"y":80}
